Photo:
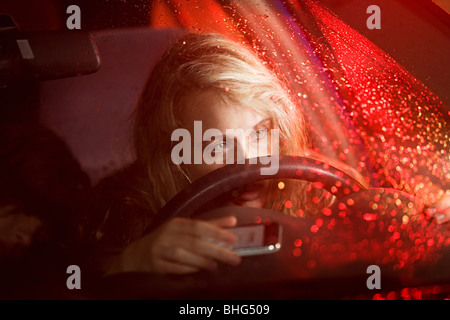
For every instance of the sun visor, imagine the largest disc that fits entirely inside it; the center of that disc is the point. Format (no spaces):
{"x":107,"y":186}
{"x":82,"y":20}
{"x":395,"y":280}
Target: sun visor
{"x":46,"y":55}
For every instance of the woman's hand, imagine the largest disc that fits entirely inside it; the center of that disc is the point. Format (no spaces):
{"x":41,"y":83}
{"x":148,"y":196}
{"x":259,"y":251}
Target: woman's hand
{"x":441,"y":210}
{"x":180,"y":246}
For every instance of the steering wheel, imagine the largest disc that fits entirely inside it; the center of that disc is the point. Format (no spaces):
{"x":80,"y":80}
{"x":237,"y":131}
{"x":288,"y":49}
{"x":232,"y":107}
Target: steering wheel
{"x":225,"y":179}
{"x":364,"y":227}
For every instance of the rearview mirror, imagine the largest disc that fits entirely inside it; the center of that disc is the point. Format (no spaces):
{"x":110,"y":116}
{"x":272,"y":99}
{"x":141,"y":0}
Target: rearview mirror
{"x":46,"y":55}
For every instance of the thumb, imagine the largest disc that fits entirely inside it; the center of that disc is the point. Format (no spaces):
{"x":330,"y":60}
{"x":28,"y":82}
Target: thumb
{"x":225,"y":222}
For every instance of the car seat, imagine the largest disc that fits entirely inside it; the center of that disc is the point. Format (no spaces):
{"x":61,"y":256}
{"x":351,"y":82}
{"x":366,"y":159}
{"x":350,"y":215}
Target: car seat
{"x":92,"y":113}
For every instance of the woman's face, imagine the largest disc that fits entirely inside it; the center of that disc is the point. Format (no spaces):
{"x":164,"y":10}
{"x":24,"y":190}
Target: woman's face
{"x":213,"y":113}
{"x":17,"y":231}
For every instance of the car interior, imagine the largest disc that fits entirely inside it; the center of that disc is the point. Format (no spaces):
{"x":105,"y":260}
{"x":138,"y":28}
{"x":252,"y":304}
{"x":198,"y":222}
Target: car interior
{"x":84,"y":85}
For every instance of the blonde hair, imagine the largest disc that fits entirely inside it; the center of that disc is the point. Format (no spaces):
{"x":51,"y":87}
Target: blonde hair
{"x":194,"y":64}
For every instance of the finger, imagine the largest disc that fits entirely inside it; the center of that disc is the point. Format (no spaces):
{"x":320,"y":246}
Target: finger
{"x":210,"y":250}
{"x":169,"y":267}
{"x":182,"y":256}
{"x":441,"y":210}
{"x":443,"y":216}
{"x":225,"y":222}
{"x":203,"y":229}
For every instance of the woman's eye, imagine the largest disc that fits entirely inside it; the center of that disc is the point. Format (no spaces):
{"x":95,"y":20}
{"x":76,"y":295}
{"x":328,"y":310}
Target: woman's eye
{"x":220,"y":146}
{"x":259,"y":134}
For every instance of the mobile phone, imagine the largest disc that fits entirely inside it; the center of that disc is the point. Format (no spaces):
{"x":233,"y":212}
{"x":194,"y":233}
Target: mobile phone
{"x":257,"y":239}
